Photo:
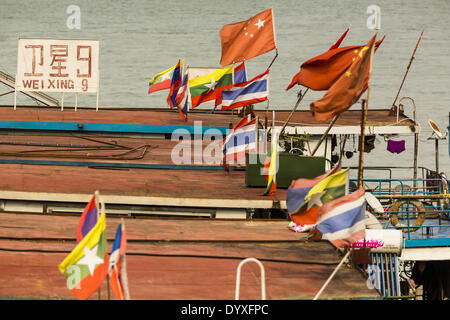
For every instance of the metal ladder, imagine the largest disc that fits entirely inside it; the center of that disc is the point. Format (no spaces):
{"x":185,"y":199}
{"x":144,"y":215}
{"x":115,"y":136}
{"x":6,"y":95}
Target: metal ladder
{"x":36,"y":95}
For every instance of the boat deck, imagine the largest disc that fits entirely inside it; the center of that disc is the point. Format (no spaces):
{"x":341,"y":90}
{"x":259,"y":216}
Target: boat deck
{"x":58,"y":155}
{"x":178,"y":259}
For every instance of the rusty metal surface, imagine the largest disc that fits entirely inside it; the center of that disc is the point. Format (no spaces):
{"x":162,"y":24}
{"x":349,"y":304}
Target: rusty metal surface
{"x":177,"y":259}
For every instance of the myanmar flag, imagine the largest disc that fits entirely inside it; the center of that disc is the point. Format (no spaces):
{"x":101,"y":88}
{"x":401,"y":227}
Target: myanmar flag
{"x":86,"y":266}
{"x":204,"y":88}
{"x":306,"y":196}
{"x":163,"y":79}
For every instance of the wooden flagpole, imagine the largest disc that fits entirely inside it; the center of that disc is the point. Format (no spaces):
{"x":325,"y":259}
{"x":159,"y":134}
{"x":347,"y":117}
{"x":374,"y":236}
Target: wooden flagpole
{"x":365,"y":106}
{"x":124,"y":270}
{"x":407,"y":69}
{"x":332,"y":275}
{"x":300,"y":98}
{"x":325,"y":134}
{"x":267,"y":106}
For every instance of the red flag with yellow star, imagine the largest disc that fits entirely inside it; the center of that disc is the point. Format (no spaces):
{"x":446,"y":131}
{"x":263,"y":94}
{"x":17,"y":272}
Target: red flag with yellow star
{"x":348,"y":88}
{"x":335,"y":45}
{"x":247,"y":39}
{"x":320,"y":72}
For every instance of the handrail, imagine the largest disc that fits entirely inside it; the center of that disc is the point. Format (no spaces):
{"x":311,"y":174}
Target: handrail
{"x":238,"y":277}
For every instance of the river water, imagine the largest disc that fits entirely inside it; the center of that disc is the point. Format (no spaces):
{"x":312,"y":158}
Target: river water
{"x":141,"y":38}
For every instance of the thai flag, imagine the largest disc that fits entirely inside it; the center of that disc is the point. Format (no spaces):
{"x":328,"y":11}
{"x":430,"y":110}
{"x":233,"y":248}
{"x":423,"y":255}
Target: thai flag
{"x":175,"y":85}
{"x":240,"y":73}
{"x":239,"y":141}
{"x":341,"y":221}
{"x":88,"y":218}
{"x":182,"y":97}
{"x":117,"y":265}
{"x":246,"y":93}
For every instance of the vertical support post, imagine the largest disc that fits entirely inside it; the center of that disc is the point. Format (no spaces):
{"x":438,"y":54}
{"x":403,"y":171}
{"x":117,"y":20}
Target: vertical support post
{"x":15,"y":98}
{"x":62,"y":101}
{"x":436,"y":143}
{"x":362,"y":141}
{"x":96,"y":105}
{"x":76,"y":101}
{"x":257,"y":136}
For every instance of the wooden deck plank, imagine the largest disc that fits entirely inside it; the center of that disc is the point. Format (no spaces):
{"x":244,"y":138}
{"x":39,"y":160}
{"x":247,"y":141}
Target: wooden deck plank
{"x":377,"y":117}
{"x":170,"y":259}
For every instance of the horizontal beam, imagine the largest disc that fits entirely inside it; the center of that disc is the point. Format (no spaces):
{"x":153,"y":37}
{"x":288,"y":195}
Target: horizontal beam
{"x":143,"y":200}
{"x":319,"y":130}
{"x":109,"y":127}
{"x":111,"y":164}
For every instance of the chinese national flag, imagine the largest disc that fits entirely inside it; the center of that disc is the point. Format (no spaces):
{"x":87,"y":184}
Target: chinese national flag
{"x":247,"y":39}
{"x":348,"y":88}
{"x":320,"y":72}
{"x":336,"y":45}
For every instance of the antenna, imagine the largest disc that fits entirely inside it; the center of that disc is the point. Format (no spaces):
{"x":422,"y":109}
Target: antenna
{"x":436,"y":129}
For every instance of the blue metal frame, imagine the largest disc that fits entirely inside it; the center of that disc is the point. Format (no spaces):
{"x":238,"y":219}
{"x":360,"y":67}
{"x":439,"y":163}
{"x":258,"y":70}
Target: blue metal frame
{"x":106,"y":127}
{"x":430,"y":242}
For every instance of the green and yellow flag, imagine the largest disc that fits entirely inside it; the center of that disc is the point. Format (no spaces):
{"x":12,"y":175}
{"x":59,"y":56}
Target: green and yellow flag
{"x":86,"y":266}
{"x":204,"y":88}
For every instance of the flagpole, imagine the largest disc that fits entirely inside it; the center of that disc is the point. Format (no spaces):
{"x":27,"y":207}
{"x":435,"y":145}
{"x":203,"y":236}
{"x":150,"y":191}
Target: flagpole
{"x":124,"y":270}
{"x":325,"y":134}
{"x":406,"y":73}
{"x":273,"y":60}
{"x":107,"y":284}
{"x":300,"y":98}
{"x":365,"y":107}
{"x":332,"y":275}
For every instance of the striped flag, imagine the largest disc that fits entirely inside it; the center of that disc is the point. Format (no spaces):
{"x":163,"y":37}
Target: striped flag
{"x":88,"y":217}
{"x":86,"y":266}
{"x":240,"y":73}
{"x":306,"y":196}
{"x":174,"y":85}
{"x":270,"y":167}
{"x":239,"y":141}
{"x":117,"y":265}
{"x":341,"y":221}
{"x":246,"y":93}
{"x":162,"y":80}
{"x":182,"y":97}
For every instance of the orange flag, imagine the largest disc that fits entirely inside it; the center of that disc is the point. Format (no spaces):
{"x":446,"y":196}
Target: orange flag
{"x":348,"y":88}
{"x":320,"y":72}
{"x":247,"y":39}
{"x":335,"y":45}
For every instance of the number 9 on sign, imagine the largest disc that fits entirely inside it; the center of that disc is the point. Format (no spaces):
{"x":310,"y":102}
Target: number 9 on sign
{"x":84,"y":84}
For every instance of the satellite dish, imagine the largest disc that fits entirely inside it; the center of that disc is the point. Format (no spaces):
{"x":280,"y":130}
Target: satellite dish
{"x":374,"y":203}
{"x":435,"y":129}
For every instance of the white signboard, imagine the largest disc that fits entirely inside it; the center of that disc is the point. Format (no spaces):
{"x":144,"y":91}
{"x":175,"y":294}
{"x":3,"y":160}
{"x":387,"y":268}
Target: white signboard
{"x":57,"y":65}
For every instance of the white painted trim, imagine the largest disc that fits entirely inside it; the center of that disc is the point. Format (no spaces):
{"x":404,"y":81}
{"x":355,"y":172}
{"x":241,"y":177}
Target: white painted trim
{"x":425,"y":254}
{"x":136,"y":200}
